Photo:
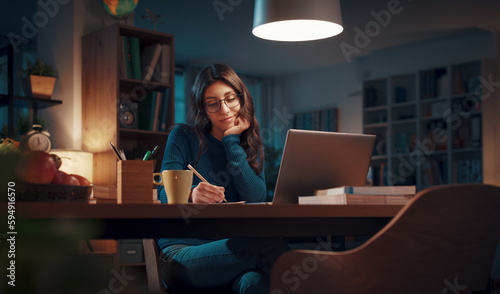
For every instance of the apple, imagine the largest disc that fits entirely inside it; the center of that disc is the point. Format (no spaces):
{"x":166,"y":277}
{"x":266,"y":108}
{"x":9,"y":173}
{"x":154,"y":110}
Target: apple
{"x":72,"y":180}
{"x":57,"y":159}
{"x":59,"y":177}
{"x":83,"y":181}
{"x":8,"y":163}
{"x":9,"y":146}
{"x":3,"y":148}
{"x":62,"y":178}
{"x":36,"y":167}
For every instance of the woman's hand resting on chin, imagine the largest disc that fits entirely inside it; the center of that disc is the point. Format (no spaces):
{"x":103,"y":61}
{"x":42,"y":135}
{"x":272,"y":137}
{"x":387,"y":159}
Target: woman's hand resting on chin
{"x":240,"y":125}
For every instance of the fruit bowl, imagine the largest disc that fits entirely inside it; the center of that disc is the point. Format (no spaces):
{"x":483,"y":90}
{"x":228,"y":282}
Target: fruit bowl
{"x":52,"y":193}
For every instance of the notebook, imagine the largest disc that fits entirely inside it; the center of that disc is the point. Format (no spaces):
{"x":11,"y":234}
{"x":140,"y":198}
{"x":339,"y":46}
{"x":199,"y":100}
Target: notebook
{"x":321,"y":160}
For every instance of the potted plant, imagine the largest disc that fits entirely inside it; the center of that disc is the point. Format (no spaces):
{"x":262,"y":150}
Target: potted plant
{"x":39,"y":79}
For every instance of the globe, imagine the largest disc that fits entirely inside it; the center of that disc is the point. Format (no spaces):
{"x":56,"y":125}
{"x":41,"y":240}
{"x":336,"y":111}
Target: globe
{"x":119,"y":8}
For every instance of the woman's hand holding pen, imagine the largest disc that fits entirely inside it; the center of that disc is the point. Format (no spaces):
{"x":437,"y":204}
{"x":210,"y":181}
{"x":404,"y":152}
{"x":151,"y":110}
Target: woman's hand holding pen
{"x":207,"y":193}
{"x":240,"y":125}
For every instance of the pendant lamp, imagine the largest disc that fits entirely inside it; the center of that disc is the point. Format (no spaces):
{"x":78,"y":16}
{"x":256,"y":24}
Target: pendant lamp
{"x":297,"y":20}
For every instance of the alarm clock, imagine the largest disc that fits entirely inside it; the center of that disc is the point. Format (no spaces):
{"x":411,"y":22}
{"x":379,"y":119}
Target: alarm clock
{"x":36,"y":139}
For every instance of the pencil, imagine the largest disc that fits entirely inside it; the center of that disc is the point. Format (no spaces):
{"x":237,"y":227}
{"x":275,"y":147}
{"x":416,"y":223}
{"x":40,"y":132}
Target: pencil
{"x":201,"y":177}
{"x":115,"y":151}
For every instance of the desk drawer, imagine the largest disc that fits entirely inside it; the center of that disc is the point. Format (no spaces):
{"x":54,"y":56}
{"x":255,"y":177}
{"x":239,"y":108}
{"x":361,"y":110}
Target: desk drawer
{"x":131,"y":251}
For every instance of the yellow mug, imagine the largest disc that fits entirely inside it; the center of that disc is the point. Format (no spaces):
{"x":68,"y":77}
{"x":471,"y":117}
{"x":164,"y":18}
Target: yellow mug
{"x":177,"y":184}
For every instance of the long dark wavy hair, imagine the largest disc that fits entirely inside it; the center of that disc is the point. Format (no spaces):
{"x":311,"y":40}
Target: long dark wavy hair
{"x":249,"y":139}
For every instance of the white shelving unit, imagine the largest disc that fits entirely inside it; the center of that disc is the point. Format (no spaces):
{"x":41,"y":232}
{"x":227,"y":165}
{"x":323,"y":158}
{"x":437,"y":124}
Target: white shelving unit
{"x":428,"y":125}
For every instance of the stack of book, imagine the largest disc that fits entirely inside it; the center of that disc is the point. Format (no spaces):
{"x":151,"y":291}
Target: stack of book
{"x":153,"y":111}
{"x":433,"y":83}
{"x":323,"y":120}
{"x":108,"y":195}
{"x":149,"y":64}
{"x":152,"y":63}
{"x":361,"y":195}
{"x":104,"y":194}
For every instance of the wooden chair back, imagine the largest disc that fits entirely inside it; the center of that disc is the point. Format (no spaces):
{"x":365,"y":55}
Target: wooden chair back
{"x":443,"y":241}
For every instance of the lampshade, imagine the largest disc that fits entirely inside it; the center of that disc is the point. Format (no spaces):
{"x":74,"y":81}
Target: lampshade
{"x":297,"y":20}
{"x":76,"y":162}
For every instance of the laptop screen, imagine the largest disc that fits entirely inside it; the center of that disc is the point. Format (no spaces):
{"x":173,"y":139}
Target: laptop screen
{"x":321,"y":160}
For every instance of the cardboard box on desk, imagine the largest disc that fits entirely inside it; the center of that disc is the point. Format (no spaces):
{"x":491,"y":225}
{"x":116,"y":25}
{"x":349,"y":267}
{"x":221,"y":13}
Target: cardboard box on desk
{"x":134,"y":181}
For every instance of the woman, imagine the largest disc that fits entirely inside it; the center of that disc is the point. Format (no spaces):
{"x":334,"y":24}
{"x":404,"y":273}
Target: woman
{"x":224,"y":146}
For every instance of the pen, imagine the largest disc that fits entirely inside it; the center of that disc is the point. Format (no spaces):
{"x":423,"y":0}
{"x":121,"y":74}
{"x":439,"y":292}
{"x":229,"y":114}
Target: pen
{"x":118,"y":156}
{"x":147,"y":156}
{"x":122,"y":155}
{"x":154,"y":152}
{"x":201,"y":177}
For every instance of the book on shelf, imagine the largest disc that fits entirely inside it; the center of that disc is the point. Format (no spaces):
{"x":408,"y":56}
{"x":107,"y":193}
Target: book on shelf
{"x":315,"y":121}
{"x":322,"y":120}
{"x":402,"y":142}
{"x":434,"y":172}
{"x":153,"y":111}
{"x":126,"y":58}
{"x":463,"y":171}
{"x":464,"y":80}
{"x":122,"y":62}
{"x":156,"y":111}
{"x":298,"y":121}
{"x":442,"y":85}
{"x":347,"y":198}
{"x":476,"y":172}
{"x":104,"y":192}
{"x":433,"y":83}
{"x":330,"y":118}
{"x":307,"y":121}
{"x":368,"y":190}
{"x":380,"y":174}
{"x":476,"y":131}
{"x":164,"y":111}
{"x":149,"y":60}
{"x":164,"y":75}
{"x":152,"y":63}
{"x":383,"y":179}
{"x":468,"y":171}
{"x":135,"y":58}
{"x":146,"y":108}
{"x":370,"y":94}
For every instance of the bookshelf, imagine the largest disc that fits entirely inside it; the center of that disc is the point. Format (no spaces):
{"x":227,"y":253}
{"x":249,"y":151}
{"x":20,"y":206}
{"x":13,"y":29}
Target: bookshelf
{"x":10,"y":100}
{"x":119,"y":103}
{"x":321,"y":120}
{"x":429,"y":125}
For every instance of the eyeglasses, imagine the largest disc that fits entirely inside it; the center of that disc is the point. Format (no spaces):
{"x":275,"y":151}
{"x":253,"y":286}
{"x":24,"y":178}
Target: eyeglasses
{"x":231,"y":101}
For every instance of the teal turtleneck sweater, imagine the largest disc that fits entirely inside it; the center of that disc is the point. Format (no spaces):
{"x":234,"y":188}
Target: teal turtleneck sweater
{"x":223,"y":164}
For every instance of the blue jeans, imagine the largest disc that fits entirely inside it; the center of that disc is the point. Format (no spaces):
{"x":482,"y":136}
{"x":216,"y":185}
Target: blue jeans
{"x":241,"y":264}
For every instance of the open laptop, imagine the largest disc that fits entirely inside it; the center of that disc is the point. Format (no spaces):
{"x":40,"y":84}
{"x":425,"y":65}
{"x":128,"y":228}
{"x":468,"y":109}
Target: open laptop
{"x":321,"y":160}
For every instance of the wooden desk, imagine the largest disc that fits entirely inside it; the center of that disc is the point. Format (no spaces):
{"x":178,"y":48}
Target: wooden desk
{"x":228,"y":220}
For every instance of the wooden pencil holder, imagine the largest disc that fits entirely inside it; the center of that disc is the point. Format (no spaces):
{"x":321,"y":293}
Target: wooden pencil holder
{"x":134,"y":181}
